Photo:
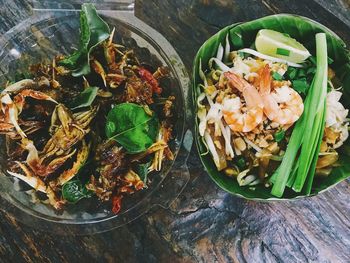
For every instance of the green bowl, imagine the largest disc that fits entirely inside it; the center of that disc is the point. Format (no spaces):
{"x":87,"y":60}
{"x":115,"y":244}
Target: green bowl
{"x":243,"y":35}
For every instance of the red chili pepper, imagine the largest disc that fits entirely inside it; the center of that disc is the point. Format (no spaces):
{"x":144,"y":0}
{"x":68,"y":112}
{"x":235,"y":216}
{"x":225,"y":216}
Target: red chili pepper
{"x":147,"y":76}
{"x":117,"y":204}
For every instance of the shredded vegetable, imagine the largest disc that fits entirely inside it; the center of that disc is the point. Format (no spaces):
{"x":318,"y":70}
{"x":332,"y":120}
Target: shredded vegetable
{"x":266,"y":57}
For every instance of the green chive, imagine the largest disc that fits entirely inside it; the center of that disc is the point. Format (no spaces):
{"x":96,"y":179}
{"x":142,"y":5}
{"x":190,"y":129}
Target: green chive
{"x":311,"y":71}
{"x":300,"y":85}
{"x":277,"y":76}
{"x":301,"y":73}
{"x":241,"y":163}
{"x":279,"y":136}
{"x":292,"y":72}
{"x":241,"y":54}
{"x":282,"y":52}
{"x":313,"y":60}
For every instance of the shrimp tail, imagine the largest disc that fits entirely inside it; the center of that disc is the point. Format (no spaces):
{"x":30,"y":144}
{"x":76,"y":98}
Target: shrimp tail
{"x":265,"y":81}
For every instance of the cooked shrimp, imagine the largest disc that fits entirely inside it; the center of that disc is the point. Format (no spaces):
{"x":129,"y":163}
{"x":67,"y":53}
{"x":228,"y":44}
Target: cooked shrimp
{"x":282,"y":105}
{"x":243,"y":119}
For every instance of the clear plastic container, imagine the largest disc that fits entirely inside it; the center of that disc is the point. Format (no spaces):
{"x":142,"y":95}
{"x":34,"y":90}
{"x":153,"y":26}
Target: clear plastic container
{"x":53,"y":29}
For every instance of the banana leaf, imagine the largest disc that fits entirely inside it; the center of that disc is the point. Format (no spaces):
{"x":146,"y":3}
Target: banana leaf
{"x":243,"y":35}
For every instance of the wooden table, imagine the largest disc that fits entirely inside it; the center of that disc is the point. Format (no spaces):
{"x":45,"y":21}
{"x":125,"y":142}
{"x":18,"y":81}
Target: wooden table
{"x":204,"y":224}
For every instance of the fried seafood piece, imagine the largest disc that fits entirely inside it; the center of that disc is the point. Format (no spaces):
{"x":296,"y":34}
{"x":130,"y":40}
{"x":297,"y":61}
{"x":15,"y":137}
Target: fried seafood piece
{"x":114,"y":80}
{"x":110,"y":159}
{"x":116,"y":178}
{"x":28,"y":127}
{"x":141,"y":84}
{"x":168,"y":107}
{"x":38,"y":185}
{"x":137,"y":91}
{"x":67,"y":130}
{"x":50,"y":188}
{"x":68,"y":174}
{"x":152,"y":79}
{"x":11,"y":108}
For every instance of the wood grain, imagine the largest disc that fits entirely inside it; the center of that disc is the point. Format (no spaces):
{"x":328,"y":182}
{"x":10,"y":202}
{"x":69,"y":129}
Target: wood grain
{"x":204,"y":224}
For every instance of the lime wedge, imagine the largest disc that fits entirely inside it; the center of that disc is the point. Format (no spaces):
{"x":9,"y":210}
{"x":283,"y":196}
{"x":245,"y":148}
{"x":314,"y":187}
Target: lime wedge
{"x":276,"y":44}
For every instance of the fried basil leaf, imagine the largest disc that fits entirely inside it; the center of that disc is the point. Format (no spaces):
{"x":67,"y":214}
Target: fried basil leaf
{"x":132,"y":127}
{"x":73,"y":191}
{"x":93,"y":30}
{"x":84,"y":99}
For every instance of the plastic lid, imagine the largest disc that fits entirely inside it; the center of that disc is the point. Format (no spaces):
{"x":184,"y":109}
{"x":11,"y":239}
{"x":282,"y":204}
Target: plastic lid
{"x":71,"y":5}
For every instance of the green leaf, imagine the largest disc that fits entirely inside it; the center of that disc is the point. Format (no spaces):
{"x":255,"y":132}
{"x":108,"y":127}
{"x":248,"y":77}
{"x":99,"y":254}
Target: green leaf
{"x":304,"y":30}
{"x":93,"y":31}
{"x":73,"y":191}
{"x":132,"y":127}
{"x":237,"y":40}
{"x":279,"y":136}
{"x":84,"y":99}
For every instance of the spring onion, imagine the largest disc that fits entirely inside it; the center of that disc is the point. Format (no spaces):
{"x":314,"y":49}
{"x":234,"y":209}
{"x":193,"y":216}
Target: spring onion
{"x":308,"y":150}
{"x":315,"y":113}
{"x":314,"y":103}
{"x":310,"y":177}
{"x":281,"y":175}
{"x":293,"y":174}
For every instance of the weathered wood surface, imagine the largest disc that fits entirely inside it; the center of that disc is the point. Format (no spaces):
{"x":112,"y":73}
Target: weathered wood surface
{"x":204,"y":224}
